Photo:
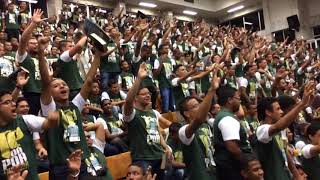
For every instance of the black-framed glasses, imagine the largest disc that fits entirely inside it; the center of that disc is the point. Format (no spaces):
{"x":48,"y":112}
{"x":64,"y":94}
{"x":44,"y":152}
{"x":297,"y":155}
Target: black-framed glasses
{"x":7,"y":102}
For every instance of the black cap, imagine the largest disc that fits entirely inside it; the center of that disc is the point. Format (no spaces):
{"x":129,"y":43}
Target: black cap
{"x":141,"y":15}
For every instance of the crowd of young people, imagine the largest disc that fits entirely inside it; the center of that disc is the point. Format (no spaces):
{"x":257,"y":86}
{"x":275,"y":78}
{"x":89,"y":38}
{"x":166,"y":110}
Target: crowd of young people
{"x":247,"y":107}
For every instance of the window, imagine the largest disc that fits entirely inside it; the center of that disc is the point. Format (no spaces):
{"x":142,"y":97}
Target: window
{"x":254,"y":21}
{"x":280,"y":36}
{"x":316,"y":32}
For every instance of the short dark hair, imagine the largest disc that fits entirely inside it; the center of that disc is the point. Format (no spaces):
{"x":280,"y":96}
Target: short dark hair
{"x":103,"y":101}
{"x":112,"y":81}
{"x":263,"y":105}
{"x":313,"y":128}
{"x":2,"y":93}
{"x":224,"y":93}
{"x":175,"y":69}
{"x":247,"y":67}
{"x":63,"y":43}
{"x":174,"y":127}
{"x":286,"y":102}
{"x":245,"y":159}
{"x":20,"y":99}
{"x":140,"y":165}
{"x":183,"y":105}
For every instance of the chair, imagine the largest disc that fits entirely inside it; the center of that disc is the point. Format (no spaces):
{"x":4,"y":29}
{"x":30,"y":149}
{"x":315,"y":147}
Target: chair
{"x":44,"y":176}
{"x":118,"y":164}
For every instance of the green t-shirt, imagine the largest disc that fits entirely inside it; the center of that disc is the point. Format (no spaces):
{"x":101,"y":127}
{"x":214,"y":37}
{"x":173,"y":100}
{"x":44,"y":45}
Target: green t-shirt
{"x":69,"y":72}
{"x":272,"y":159}
{"x":24,"y":17}
{"x":222,"y":156}
{"x":12,"y":21}
{"x":144,"y":136}
{"x":176,"y":149}
{"x":59,"y":148}
{"x":6,"y":68}
{"x":239,"y":70}
{"x":102,"y":160}
{"x":180,"y":92}
{"x":198,"y":156}
{"x":16,"y":147}
{"x":165,"y":74}
{"x":202,"y":85}
{"x":312,"y":167}
{"x":111,"y":63}
{"x":127,"y":80}
{"x":130,"y":51}
{"x":34,"y":83}
{"x":113,"y":122}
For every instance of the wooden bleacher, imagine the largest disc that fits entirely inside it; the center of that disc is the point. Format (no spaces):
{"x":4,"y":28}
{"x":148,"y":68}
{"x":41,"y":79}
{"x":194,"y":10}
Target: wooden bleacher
{"x":118,"y":164}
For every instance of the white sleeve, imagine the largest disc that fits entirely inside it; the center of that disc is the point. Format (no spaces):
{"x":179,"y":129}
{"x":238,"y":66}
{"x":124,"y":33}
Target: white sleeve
{"x":20,"y":58}
{"x":156,"y":64}
{"x":263,"y":133}
{"x":210,"y":121}
{"x":309,"y":69}
{"x":104,"y":96}
{"x":136,"y":59}
{"x":103,"y":122}
{"x":230,"y":128}
{"x":183,"y":137}
{"x":300,"y":71}
{"x":123,"y":95}
{"x":120,"y":80}
{"x":35,"y":136}
{"x":79,"y":101}
{"x":192,"y":85}
{"x":306,"y":151}
{"x":309,"y":110}
{"x":33,"y":122}
{"x":130,"y":117}
{"x":188,"y":80}
{"x":243,"y":82}
{"x":45,"y":109}
{"x":65,"y":56}
{"x":174,"y":82}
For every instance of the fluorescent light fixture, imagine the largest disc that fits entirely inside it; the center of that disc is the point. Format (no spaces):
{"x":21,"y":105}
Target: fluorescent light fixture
{"x":150,"y":5}
{"x":249,"y":23}
{"x":235,"y":9}
{"x":30,"y":1}
{"x":189,"y":12}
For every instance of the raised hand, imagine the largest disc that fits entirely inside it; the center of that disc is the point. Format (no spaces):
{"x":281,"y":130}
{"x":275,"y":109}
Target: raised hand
{"x":148,"y":175}
{"x":308,"y":93}
{"x":14,"y":173}
{"x":143,"y":72}
{"x":37,"y":13}
{"x":53,"y":118}
{"x":74,"y":161}
{"x":43,"y":43}
{"x":215,"y":83}
{"x":22,"y":78}
{"x":42,"y":153}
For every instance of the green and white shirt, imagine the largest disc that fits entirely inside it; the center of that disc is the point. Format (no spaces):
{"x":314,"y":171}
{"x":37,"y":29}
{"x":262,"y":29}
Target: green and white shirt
{"x":16,"y":145}
{"x":144,"y":135}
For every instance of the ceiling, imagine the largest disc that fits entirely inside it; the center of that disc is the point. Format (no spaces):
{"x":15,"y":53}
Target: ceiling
{"x":211,"y":10}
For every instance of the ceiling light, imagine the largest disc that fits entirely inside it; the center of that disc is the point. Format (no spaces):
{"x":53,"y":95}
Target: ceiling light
{"x":248,"y":23}
{"x":30,"y":1}
{"x":189,"y":12}
{"x":235,"y":9}
{"x":147,"y":4}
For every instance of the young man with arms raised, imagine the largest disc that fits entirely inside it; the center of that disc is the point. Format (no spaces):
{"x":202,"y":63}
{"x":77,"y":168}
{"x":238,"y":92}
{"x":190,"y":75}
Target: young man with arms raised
{"x":69,"y":135}
{"x":196,"y":136}
{"x":271,"y":146}
{"x":146,"y":142}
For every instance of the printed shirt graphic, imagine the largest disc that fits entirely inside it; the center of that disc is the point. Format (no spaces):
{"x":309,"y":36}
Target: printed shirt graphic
{"x":6,"y":67}
{"x":12,"y":153}
{"x":153,"y":136}
{"x":206,"y":136}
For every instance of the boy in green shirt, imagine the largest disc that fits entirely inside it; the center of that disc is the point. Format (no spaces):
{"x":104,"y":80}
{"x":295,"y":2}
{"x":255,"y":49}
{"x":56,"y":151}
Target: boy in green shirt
{"x":271,"y":148}
{"x":196,"y":135}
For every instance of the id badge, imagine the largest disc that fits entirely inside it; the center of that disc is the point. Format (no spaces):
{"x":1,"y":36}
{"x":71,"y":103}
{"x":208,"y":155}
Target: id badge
{"x":95,"y":163}
{"x":73,"y":133}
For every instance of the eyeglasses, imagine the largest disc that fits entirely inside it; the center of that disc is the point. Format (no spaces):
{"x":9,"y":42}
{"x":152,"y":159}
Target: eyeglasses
{"x":7,"y":102}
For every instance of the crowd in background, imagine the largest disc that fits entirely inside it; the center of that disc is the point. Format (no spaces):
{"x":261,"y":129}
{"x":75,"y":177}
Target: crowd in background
{"x":246,"y":107}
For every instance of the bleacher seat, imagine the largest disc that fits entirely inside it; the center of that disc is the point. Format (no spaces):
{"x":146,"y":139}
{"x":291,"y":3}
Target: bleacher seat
{"x":44,"y":176}
{"x":118,"y":164}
